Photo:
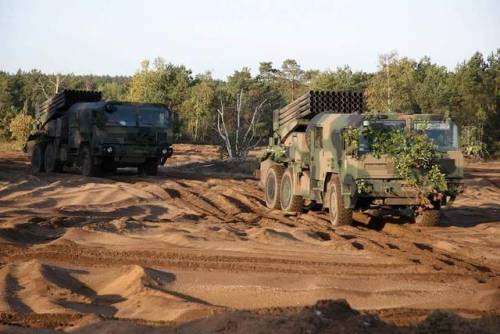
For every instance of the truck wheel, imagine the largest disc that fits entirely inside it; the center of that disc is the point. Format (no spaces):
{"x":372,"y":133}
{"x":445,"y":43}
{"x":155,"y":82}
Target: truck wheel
{"x":37,"y":159}
{"x":87,"y":164}
{"x":272,"y":187}
{"x":52,"y":164}
{"x":339,"y":215}
{"x":150,"y":167}
{"x":428,"y":217}
{"x":289,"y":202}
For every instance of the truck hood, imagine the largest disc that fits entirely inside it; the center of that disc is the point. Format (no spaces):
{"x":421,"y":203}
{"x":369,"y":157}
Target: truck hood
{"x":383,"y":168}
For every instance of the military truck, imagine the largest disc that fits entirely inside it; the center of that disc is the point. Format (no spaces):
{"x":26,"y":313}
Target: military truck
{"x":308,"y":160}
{"x":78,"y":128}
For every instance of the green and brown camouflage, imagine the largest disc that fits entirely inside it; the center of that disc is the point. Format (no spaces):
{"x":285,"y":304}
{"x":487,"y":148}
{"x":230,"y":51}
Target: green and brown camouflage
{"x":314,"y":153}
{"x":100,"y":136}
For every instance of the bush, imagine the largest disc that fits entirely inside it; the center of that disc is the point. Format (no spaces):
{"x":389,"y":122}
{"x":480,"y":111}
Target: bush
{"x":20,"y":127}
{"x":415,"y":157}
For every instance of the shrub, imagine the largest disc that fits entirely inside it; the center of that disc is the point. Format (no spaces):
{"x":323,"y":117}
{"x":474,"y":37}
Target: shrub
{"x":20,"y":127}
{"x":415,"y":157}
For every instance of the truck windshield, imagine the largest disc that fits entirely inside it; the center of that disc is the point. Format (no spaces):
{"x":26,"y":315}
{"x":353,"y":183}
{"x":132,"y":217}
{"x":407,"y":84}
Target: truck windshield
{"x":133,"y":115}
{"x":152,"y":116}
{"x":443,"y":134}
{"x":121,"y":115}
{"x":387,"y":125}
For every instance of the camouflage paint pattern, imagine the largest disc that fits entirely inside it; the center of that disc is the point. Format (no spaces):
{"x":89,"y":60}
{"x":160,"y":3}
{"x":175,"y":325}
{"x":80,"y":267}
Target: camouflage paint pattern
{"x":86,"y":123}
{"x":315,"y":150}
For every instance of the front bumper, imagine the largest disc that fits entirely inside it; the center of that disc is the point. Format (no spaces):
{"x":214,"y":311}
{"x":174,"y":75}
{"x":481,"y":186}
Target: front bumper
{"x":134,"y":154}
{"x":396,"y":192}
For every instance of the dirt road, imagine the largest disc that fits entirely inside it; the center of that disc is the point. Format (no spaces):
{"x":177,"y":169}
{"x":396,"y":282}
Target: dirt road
{"x":197,"y":242}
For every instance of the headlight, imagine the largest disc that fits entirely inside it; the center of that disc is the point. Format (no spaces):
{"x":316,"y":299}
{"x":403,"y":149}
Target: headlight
{"x":109,"y":149}
{"x":164,"y":151}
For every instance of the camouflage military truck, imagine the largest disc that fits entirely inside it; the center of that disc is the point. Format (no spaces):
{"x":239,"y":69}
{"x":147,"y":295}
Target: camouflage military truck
{"x":309,"y":160}
{"x":78,"y":128}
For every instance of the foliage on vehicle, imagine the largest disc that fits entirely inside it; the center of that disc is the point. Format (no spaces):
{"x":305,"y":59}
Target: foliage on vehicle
{"x":415,"y":157}
{"x":276,"y":153}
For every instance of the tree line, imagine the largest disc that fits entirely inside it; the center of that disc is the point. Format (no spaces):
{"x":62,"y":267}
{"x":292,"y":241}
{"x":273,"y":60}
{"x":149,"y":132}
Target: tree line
{"x":469,"y":94}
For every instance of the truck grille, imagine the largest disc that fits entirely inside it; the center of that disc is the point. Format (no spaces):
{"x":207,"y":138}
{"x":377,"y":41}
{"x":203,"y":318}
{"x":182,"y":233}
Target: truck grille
{"x":114,"y":138}
{"x":131,"y":138}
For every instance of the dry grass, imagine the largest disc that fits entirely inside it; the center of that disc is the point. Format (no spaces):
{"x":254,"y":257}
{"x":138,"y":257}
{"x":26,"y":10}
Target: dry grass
{"x":10,"y":146}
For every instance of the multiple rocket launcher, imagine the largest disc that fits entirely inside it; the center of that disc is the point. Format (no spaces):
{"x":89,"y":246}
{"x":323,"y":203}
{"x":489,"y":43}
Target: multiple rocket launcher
{"x":55,"y":106}
{"x":312,"y":103}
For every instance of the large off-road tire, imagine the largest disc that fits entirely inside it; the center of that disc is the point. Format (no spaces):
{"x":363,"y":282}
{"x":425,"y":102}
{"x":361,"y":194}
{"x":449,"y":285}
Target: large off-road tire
{"x":89,"y":168}
{"x":37,"y":159}
{"x":428,"y":217}
{"x":272,"y":186}
{"x":289,"y":202}
{"x":339,"y":215}
{"x":52,"y":163}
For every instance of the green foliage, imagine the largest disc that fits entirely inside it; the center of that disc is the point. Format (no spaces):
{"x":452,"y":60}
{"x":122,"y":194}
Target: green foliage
{"x":472,"y":142}
{"x":20,"y":127}
{"x":413,"y":154}
{"x":436,"y":179}
{"x":361,"y":187}
{"x":276,"y":153}
{"x":7,"y":111}
{"x":432,"y":90}
{"x":352,"y":136}
{"x":469,"y":93}
{"x":162,"y":83}
{"x":342,"y":79}
{"x":475,"y":99}
{"x":392,"y":88}
{"x":291,"y":76}
{"x":196,"y":110}
{"x":256,"y":90}
{"x":113,"y":91}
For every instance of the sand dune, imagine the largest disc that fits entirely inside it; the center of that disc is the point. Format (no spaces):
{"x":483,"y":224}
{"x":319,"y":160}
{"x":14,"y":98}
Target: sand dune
{"x":197,"y":242}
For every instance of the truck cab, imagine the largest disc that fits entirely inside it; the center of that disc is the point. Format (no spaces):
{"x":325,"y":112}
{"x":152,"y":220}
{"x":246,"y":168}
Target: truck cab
{"x":100,"y":136}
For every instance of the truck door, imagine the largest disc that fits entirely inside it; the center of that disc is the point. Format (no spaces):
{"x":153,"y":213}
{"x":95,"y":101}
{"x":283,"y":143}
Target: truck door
{"x":73,"y":138}
{"x":85,"y":124}
{"x":316,"y":145}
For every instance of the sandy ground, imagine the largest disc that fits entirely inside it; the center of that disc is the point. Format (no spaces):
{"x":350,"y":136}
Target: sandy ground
{"x":196,"y":250}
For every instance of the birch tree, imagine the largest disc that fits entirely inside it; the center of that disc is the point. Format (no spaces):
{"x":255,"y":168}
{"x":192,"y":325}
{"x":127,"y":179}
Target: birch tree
{"x":239,"y":135}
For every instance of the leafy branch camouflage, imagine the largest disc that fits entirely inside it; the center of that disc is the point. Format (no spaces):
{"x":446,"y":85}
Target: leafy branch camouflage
{"x":414,"y":155}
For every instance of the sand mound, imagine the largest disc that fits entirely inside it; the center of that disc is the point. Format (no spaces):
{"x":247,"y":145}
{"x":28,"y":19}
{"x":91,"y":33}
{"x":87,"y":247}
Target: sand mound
{"x":170,"y":247}
{"x":135,"y":279}
{"x":125,"y":292}
{"x":35,"y":287}
{"x":146,"y":295}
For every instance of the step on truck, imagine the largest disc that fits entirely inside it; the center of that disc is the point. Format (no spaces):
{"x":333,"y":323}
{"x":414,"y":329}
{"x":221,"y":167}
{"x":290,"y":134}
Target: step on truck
{"x":307,"y":160}
{"x":78,"y":128}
